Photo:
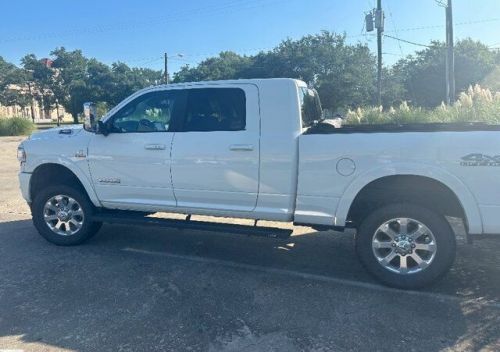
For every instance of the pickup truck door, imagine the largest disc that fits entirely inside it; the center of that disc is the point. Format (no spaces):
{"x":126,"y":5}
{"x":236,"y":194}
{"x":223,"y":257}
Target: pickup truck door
{"x":215,"y":153}
{"x":131,"y":166}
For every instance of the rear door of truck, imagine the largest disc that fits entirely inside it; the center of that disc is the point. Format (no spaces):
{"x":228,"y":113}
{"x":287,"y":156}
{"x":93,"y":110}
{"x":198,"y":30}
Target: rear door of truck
{"x":215,"y":153}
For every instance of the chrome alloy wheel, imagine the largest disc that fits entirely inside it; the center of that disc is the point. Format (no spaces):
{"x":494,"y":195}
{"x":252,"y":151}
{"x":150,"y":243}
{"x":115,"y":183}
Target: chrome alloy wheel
{"x":63,"y":215}
{"x":404,"y":245}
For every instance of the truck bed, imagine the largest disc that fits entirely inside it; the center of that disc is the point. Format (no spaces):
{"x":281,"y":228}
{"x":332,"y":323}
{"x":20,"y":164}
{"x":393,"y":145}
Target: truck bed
{"x":335,"y":164}
{"x":326,"y":128}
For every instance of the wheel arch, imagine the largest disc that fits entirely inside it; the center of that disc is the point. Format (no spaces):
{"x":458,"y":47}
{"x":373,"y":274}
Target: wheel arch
{"x":430,"y":178}
{"x":52,"y":173}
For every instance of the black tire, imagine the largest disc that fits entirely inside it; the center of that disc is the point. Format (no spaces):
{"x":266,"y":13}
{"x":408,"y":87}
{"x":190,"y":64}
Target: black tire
{"x":88,"y":228}
{"x":436,"y":223}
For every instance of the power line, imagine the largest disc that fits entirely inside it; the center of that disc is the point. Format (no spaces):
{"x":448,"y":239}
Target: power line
{"x":177,"y":16}
{"x":187,"y":15}
{"x":412,"y":88}
{"x":394,"y":54}
{"x":437,"y":26}
{"x":396,"y":31}
{"x":407,"y":41}
{"x":147,"y":59}
{"x":191,"y":58}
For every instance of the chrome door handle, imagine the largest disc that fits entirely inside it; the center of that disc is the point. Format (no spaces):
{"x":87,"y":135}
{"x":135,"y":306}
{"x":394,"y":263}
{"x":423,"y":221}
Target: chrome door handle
{"x":155,"y":146}
{"x":241,"y":147}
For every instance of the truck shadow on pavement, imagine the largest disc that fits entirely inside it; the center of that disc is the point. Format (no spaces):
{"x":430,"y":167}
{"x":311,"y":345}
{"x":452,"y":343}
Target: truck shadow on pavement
{"x":133,"y":288}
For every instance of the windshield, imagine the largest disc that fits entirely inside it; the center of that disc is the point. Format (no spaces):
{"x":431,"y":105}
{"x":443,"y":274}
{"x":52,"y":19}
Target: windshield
{"x":310,"y":106}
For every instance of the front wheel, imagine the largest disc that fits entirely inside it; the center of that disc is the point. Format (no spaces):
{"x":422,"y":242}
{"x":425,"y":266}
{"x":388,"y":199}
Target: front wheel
{"x":63,"y":215}
{"x":405,"y":245}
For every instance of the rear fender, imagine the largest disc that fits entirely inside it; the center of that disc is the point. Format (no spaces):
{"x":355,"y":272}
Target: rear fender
{"x":463,"y":194}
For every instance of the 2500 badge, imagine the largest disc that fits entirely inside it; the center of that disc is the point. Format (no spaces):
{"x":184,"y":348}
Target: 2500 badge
{"x":478,"y":159}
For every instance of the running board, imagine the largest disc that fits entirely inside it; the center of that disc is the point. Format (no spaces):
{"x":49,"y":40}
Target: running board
{"x":141,"y":220}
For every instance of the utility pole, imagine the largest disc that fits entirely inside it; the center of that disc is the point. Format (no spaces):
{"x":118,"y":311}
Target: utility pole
{"x":375,"y":18}
{"x":379,"y":24}
{"x":166,"y":69}
{"x":450,"y":56}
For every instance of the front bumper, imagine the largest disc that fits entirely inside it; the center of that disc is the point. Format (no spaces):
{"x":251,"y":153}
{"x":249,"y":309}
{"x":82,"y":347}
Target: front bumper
{"x":24,"y":182}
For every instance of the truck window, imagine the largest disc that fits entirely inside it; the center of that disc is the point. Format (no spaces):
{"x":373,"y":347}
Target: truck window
{"x":215,"y":109}
{"x":310,"y":106}
{"x":151,"y":112}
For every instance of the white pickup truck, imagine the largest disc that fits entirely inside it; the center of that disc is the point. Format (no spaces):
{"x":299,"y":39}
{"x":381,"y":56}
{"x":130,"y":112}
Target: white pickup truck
{"x":257,"y":149}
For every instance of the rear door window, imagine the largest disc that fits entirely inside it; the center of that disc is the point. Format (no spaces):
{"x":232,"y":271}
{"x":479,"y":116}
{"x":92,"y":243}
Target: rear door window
{"x":215,"y":109}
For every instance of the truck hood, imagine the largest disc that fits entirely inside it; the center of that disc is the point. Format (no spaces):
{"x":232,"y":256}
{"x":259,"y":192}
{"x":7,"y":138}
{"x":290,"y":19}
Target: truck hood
{"x":57,"y":145}
{"x":57,"y":132}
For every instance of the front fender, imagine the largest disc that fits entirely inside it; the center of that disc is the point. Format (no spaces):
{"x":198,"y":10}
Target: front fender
{"x":78,"y":166}
{"x":464,"y":195}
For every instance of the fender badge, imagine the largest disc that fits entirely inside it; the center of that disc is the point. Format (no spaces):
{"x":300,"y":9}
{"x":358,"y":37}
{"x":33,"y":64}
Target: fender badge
{"x":80,"y":154}
{"x":109,"y":180}
{"x":478,"y":159}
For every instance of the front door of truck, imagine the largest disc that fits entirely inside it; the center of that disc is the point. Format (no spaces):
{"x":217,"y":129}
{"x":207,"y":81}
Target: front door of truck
{"x":215,"y":153}
{"x":130,"y":167}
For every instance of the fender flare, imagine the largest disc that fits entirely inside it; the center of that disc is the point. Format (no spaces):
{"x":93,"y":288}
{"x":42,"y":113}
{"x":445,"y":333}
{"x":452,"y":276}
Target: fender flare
{"x":77,"y":171}
{"x":464,"y":195}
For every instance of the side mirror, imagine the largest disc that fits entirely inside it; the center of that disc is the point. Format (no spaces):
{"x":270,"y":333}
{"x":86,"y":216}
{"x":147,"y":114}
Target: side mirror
{"x":90,"y":116}
{"x":102,"y":128}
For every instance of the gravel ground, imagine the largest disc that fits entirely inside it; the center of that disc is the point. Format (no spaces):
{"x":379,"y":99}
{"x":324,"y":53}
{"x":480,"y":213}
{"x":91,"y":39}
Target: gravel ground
{"x":142,"y":289}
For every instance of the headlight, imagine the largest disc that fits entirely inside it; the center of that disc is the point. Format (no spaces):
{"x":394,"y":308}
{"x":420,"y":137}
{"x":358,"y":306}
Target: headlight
{"x":21,"y":154}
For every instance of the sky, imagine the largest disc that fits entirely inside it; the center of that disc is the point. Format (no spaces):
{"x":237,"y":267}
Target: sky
{"x":138,"y":32}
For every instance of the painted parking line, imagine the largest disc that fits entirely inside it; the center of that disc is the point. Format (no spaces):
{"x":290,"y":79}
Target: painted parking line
{"x":315,"y":277}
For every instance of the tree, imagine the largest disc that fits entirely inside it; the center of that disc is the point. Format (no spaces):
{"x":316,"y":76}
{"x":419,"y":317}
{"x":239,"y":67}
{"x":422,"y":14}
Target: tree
{"x":393,"y":87}
{"x":492,"y":80}
{"x":343,"y":74}
{"x":6,"y":71}
{"x":228,"y":65}
{"x":69,"y":85}
{"x":12,"y":83}
{"x":79,"y":79}
{"x":125,"y":81}
{"x":424,"y":73}
{"x":39,"y":79}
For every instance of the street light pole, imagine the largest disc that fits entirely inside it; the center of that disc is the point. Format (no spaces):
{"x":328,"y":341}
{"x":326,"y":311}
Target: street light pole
{"x":166,"y":69}
{"x":165,"y":75}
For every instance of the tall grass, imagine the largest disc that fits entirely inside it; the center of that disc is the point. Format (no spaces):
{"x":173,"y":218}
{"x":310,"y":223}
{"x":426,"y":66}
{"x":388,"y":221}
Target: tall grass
{"x":475,"y":105}
{"x":15,"y":126}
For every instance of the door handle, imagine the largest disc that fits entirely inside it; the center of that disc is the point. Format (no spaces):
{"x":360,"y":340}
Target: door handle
{"x":241,"y":147}
{"x":155,"y":146}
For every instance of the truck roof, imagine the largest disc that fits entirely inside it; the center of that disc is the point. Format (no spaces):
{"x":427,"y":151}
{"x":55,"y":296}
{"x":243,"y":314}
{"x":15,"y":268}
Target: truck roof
{"x":256,"y":81}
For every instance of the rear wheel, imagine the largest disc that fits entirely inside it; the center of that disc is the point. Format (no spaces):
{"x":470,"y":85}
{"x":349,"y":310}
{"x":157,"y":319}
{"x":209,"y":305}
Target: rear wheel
{"x":405,"y":245}
{"x":63,"y":215}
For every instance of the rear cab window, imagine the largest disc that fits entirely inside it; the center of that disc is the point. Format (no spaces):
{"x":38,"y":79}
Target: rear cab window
{"x":310,"y":106}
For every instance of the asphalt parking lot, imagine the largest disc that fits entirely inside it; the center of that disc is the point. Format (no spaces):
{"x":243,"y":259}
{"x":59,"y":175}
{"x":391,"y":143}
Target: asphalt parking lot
{"x":148,"y":289}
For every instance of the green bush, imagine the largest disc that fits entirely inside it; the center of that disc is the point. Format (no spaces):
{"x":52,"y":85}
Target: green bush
{"x":15,"y":126}
{"x":474,"y":105}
